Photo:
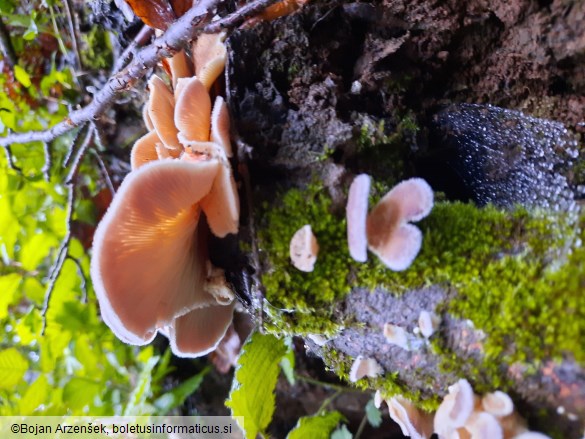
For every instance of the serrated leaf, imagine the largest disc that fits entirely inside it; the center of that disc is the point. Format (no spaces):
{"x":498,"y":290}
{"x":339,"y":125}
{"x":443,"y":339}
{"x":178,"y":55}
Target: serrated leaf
{"x":252,"y":394}
{"x":13,"y":365}
{"x":373,"y":414}
{"x":21,"y":76}
{"x":34,"y":396}
{"x":316,"y":427}
{"x":179,"y":394}
{"x":8,"y":287}
{"x":342,"y":433}
{"x":79,"y":392}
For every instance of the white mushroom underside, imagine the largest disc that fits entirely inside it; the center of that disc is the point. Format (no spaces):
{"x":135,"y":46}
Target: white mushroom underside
{"x":356,"y":214}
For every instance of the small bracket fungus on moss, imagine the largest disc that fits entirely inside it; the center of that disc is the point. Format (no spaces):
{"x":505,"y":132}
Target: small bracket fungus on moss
{"x":455,"y":409}
{"x":400,"y":337}
{"x":363,"y":367}
{"x":304,"y":249}
{"x":497,"y":403}
{"x":386,"y":230}
{"x":150,"y":263}
{"x":482,"y":425}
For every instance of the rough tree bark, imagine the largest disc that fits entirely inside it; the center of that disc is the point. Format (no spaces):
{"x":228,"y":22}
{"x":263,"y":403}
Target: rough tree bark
{"x":337,"y":89}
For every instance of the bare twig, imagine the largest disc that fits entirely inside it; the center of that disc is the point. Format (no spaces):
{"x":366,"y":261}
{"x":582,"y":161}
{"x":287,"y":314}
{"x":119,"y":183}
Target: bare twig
{"x":72,"y":22}
{"x":70,"y":181}
{"x":6,"y":45}
{"x":75,"y":145}
{"x":83,"y":285}
{"x":139,"y":40}
{"x":10,"y":159}
{"x":104,"y":171}
{"x":178,"y":34}
{"x":48,"y":161}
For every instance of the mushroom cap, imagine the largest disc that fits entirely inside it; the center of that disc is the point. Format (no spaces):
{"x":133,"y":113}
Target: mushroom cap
{"x":412,"y":422}
{"x":180,"y":67}
{"x":209,"y":56}
{"x":220,"y":126}
{"x":497,"y":403}
{"x":356,"y":214}
{"x":428,"y":322}
{"x":144,"y":150}
{"x":483,"y":425}
{"x":148,"y":263}
{"x":362,"y":367}
{"x":398,"y":249}
{"x":193,"y":110}
{"x":396,"y":335}
{"x":455,"y":409}
{"x":200,"y":331}
{"x":304,"y":249}
{"x":161,"y":109}
{"x":414,"y":197}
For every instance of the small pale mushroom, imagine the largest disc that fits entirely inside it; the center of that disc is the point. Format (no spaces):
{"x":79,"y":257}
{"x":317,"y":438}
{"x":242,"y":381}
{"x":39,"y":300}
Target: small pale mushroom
{"x":428,"y":323}
{"x":144,"y":150}
{"x":318,"y":339}
{"x":397,"y":335}
{"x":356,"y":214}
{"x":192,"y":115}
{"x":363,"y":367}
{"x":390,"y":236}
{"x":180,"y":67}
{"x":161,"y":110}
{"x":531,"y":435}
{"x":482,"y":425}
{"x":413,"y":422}
{"x":378,"y":399}
{"x":304,"y":249}
{"x":497,"y":403}
{"x":149,"y":265}
{"x":455,"y":409}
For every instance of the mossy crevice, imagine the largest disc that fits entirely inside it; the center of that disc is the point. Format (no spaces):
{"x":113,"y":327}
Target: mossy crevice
{"x":518,"y":276}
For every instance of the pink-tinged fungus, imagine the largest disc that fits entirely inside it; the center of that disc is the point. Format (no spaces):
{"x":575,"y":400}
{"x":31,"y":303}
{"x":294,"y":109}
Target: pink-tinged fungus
{"x":497,"y":403}
{"x":363,"y":367}
{"x":144,"y":150}
{"x":455,"y":409}
{"x":428,"y":323}
{"x":149,"y":263}
{"x":304,"y":249}
{"x":220,"y":126}
{"x":390,"y":236}
{"x":413,"y":422}
{"x":209,"y":56}
{"x":161,"y":109}
{"x":180,"y":67}
{"x":356,"y":214}
{"x":482,"y":425}
{"x":192,"y":115}
{"x":531,"y":435}
{"x":397,"y":336}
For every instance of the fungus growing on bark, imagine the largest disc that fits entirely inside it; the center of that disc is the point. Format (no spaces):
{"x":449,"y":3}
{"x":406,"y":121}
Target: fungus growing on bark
{"x":390,"y":236}
{"x":482,"y":425}
{"x":397,"y":335}
{"x":209,"y":57}
{"x":150,"y":266}
{"x":455,"y":409}
{"x":363,"y":367}
{"x":428,"y":323}
{"x":531,"y":435}
{"x":497,"y":403}
{"x":304,"y":249}
{"x":412,"y":422}
{"x":386,"y":230}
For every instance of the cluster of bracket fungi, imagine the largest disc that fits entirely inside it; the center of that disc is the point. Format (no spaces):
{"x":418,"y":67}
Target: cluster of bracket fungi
{"x":150,"y":266}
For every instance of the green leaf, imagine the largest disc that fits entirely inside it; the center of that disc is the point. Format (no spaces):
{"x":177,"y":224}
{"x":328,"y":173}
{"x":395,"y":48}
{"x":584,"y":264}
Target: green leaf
{"x":252,"y":394}
{"x":13,"y":365}
{"x":373,"y":414}
{"x":316,"y":427}
{"x":8,"y":287}
{"x":21,"y":76}
{"x":137,"y":399}
{"x":34,"y":396}
{"x":79,"y":392}
{"x":179,"y":394}
{"x":342,"y":433}
{"x":288,"y":363}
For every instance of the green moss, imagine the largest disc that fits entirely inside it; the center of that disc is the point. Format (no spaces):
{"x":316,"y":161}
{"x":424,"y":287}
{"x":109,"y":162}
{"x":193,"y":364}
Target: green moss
{"x":518,"y":276}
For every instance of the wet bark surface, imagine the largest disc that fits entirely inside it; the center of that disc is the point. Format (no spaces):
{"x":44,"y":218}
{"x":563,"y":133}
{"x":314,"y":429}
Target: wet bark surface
{"x":302,"y":88}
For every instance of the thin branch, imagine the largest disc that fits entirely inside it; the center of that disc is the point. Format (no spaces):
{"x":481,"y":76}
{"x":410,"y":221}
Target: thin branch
{"x":6,"y":45}
{"x":10,"y":159}
{"x":104,"y":171}
{"x":139,"y":40}
{"x":361,"y":427}
{"x":55,"y":270}
{"x":83,"y":285}
{"x":178,"y":34}
{"x":48,"y":160}
{"x":72,"y":22}
{"x":75,"y":145}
